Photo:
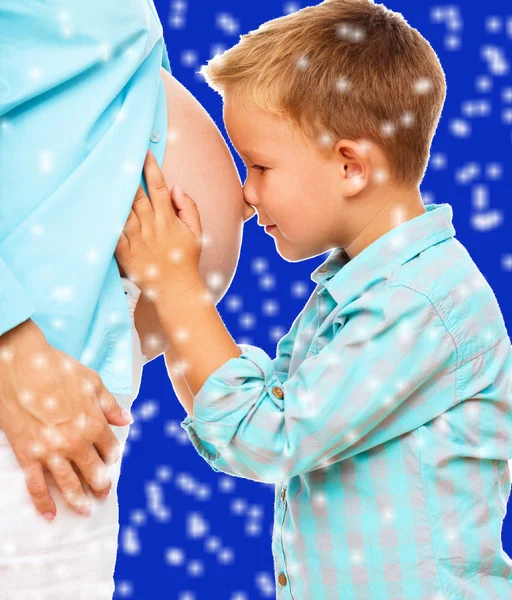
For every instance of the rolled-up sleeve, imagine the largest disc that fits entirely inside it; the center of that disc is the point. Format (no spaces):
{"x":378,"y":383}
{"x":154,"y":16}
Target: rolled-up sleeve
{"x":371,"y":383}
{"x":280,"y":367}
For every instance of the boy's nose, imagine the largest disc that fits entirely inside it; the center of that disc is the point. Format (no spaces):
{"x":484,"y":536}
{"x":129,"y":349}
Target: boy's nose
{"x":249,"y":212}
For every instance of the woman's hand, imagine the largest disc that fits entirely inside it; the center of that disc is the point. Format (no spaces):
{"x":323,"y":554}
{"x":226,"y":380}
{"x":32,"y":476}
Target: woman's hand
{"x":161,"y":243}
{"x":55,"y":416}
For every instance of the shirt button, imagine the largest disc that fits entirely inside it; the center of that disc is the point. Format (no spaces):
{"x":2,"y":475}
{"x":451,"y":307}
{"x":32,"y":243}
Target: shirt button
{"x":283,"y":494}
{"x":278,"y":392}
{"x":282,"y":579}
{"x":155,"y":136}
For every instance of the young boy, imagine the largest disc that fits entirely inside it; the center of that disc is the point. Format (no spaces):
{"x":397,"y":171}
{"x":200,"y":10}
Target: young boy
{"x":385,"y":420}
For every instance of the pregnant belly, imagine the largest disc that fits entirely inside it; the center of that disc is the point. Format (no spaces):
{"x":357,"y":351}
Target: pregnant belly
{"x":199,"y":160}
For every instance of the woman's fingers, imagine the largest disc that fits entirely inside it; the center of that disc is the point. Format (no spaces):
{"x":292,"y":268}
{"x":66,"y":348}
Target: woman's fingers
{"x":69,"y":484}
{"x":94,"y":471}
{"x":37,"y":487}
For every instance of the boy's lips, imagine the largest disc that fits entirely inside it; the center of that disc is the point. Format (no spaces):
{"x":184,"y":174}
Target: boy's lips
{"x":270,"y":228}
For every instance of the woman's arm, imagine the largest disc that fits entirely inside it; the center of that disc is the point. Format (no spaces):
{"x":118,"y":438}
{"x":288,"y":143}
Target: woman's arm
{"x":199,"y":160}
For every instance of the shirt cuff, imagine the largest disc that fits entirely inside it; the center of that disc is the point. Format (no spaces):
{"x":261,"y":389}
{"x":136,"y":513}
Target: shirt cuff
{"x":228,"y":395}
{"x":204,"y":449}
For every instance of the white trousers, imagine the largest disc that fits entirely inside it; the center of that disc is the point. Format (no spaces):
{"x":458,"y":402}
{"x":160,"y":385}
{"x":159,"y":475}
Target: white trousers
{"x":74,"y":556}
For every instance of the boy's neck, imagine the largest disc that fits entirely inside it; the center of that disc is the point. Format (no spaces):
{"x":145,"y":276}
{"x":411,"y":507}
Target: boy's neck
{"x":399,"y":209}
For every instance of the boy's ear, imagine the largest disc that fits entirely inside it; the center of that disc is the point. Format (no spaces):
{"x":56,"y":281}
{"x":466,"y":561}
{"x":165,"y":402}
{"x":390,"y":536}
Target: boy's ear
{"x":249,"y":212}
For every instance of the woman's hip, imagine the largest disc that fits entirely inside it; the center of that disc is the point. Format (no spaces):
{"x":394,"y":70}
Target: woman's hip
{"x":72,"y":556}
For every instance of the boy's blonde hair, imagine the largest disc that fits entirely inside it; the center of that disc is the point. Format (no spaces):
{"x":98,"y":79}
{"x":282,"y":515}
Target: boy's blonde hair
{"x":342,"y":69}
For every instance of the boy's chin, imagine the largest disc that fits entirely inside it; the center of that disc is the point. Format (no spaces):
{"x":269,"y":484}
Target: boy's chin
{"x":295,"y":253}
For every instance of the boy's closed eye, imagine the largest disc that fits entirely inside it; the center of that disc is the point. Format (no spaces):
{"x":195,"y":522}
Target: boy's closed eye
{"x":259,"y":167}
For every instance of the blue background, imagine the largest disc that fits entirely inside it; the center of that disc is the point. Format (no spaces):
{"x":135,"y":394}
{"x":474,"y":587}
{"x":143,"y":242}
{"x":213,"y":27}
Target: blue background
{"x":187,"y":532}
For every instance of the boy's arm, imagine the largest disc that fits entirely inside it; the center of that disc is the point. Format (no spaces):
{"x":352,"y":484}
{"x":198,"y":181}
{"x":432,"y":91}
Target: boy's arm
{"x":186,"y":399}
{"x":281,"y":365}
{"x":154,"y":342}
{"x":179,"y":382}
{"x":390,"y":368}
{"x":280,"y":368}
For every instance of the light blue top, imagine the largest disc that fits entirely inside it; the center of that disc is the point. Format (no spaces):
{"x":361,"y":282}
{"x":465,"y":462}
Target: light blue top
{"x":385,"y":423}
{"x":81,"y":101}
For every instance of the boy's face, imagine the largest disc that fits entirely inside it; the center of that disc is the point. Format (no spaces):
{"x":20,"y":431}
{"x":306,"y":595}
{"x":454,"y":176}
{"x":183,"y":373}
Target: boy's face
{"x":300,"y":191}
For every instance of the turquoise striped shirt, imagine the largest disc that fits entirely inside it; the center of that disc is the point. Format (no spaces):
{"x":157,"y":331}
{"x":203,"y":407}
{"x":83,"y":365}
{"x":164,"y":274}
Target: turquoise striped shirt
{"x":385,"y":424}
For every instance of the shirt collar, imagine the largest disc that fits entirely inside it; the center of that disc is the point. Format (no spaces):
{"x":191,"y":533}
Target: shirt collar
{"x":346,"y":279}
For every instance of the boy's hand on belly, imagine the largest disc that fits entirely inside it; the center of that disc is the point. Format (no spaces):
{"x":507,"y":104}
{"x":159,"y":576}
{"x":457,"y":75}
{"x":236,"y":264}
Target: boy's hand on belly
{"x":160,"y":246}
